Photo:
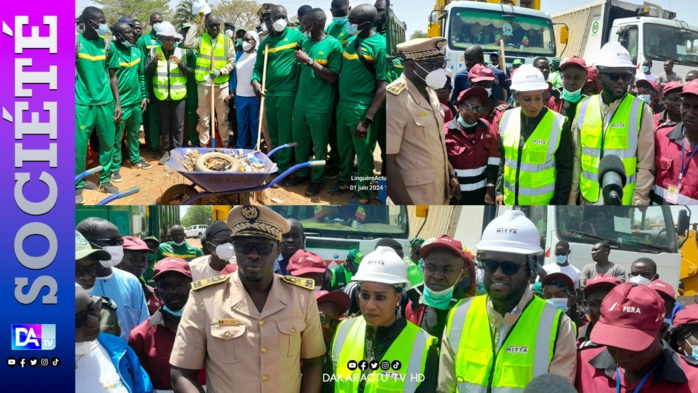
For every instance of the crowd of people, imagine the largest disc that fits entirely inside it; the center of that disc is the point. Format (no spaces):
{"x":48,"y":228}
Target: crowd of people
{"x":324,"y":90}
{"x":539,"y":134}
{"x":254,"y":311}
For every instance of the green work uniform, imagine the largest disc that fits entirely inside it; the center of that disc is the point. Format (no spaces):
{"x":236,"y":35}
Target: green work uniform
{"x":132,"y":90}
{"x":312,"y":111}
{"x":414,"y":274}
{"x":151,"y":125}
{"x":339,"y":32}
{"x":281,"y":87}
{"x":94,"y":104}
{"x":191,"y":118}
{"x":341,"y":276}
{"x":357,"y":86}
{"x":185,"y":251}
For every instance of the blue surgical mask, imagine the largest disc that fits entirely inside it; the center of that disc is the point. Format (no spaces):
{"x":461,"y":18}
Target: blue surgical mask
{"x":560,"y":259}
{"x":645,"y":69}
{"x":560,"y":303}
{"x":102,"y":29}
{"x":421,"y":265}
{"x":340,"y":20}
{"x":177,"y":313}
{"x":352,"y":29}
{"x":645,"y":97}
{"x":437,"y":299}
{"x":669,"y":322}
{"x":464,"y":124}
{"x":573,"y":96}
{"x":695,"y":351}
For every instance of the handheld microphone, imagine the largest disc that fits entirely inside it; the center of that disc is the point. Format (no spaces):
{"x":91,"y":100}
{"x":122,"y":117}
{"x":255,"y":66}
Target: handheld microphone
{"x":612,"y":179}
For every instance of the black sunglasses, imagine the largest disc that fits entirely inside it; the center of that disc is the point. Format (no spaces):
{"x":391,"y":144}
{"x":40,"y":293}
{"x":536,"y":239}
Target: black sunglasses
{"x":614,"y":76}
{"x":324,"y":318}
{"x":114,"y":241}
{"x":93,"y":309}
{"x":246,"y":247}
{"x":508,"y":268}
{"x":433,"y":64}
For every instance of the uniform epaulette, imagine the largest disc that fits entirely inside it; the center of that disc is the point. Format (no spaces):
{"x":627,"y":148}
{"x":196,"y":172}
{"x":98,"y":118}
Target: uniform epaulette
{"x":207,"y":282}
{"x":108,"y":303}
{"x":307,"y":283}
{"x":397,"y":87}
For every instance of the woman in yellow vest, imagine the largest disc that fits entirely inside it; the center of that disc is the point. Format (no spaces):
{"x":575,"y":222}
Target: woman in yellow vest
{"x":530,"y":145}
{"x":378,"y":351}
{"x":169,"y":73}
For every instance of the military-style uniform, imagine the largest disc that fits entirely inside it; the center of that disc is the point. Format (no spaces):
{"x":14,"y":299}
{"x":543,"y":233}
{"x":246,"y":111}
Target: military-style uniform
{"x":415,"y":133}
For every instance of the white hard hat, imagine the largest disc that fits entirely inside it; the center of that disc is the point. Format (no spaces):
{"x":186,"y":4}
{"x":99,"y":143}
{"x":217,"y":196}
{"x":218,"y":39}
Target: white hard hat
{"x":512,"y":232}
{"x":528,"y":78}
{"x":613,"y":54}
{"x":200,"y":6}
{"x":383,"y":266}
{"x":166,"y":29}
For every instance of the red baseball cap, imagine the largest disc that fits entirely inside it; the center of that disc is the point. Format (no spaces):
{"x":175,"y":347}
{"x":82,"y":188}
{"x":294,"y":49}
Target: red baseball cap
{"x":600,"y":280}
{"x":690,"y":88}
{"x":134,"y":244}
{"x":631,"y":317}
{"x":445,"y":241}
{"x":559,"y":277}
{"x":673,"y":85}
{"x":687,"y":316}
{"x":339,"y":298}
{"x":171,"y":264}
{"x":663,"y":288}
{"x":592,"y":74}
{"x":574,"y":61}
{"x":304,"y":262}
{"x":648,"y":84}
{"x":479,"y":73}
{"x":474,"y":91}
{"x":229,"y":268}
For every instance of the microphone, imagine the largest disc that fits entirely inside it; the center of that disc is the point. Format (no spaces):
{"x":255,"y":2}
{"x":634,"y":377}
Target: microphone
{"x":612,"y":176}
{"x":546,"y":383}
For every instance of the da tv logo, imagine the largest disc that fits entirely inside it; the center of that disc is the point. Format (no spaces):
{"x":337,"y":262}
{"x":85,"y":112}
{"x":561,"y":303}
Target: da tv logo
{"x":33,"y":337}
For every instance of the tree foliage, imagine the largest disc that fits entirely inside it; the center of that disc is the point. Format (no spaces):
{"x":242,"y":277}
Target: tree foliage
{"x":198,"y":215}
{"x":241,"y":13}
{"x":133,"y":9}
{"x":182,"y":13}
{"x":418,"y":34}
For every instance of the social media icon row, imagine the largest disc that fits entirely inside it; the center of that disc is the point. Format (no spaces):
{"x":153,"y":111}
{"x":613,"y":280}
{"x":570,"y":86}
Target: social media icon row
{"x":374,"y":364}
{"x":33,"y":362}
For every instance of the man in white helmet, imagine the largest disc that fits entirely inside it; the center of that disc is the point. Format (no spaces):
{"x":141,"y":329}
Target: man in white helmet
{"x":536,"y":160}
{"x":486,"y":335}
{"x":613,"y":123}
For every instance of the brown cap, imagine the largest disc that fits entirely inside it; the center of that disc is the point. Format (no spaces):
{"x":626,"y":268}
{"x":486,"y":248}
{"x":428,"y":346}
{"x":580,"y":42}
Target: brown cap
{"x":177,"y":265}
{"x":423,"y":49}
{"x":252,"y":220}
{"x":265,"y":9}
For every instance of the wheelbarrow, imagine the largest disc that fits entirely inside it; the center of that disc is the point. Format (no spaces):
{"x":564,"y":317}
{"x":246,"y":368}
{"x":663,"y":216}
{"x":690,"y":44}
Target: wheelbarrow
{"x":221,"y":183}
{"x":110,"y":198}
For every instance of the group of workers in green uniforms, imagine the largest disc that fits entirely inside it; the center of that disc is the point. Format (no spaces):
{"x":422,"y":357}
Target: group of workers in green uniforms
{"x":324,"y":90}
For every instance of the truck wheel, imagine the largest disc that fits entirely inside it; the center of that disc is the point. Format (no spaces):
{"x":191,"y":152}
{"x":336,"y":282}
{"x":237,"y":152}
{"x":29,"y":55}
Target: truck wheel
{"x":204,"y":162}
{"x":179,"y":193}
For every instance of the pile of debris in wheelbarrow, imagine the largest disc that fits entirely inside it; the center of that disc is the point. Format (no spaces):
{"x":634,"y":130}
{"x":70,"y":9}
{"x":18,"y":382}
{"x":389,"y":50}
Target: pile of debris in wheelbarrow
{"x":236,"y":160}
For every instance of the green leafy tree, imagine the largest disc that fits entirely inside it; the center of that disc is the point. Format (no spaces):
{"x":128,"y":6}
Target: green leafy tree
{"x":134,"y":9}
{"x":182,"y":13}
{"x":241,"y":13}
{"x":418,"y":34}
{"x":198,"y":215}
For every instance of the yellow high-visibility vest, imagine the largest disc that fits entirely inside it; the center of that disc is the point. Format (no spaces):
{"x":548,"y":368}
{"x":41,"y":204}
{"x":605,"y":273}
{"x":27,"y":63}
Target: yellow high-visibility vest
{"x":203,"y":60}
{"x":172,"y":84}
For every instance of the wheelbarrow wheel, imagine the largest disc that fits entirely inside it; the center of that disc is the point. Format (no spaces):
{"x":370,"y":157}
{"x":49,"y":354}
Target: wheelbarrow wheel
{"x":179,"y":193}
{"x":200,"y":165}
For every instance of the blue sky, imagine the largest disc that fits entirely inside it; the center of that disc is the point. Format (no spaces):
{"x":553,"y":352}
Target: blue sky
{"x":416,"y":12}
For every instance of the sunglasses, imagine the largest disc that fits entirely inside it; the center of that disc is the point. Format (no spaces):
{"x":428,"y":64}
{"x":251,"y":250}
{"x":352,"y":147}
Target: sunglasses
{"x":93,"y":309}
{"x":246,"y":247}
{"x":324,"y":318}
{"x":473,"y":107}
{"x":433,"y":65}
{"x":114,"y":241}
{"x":614,"y":76}
{"x":508,"y":268}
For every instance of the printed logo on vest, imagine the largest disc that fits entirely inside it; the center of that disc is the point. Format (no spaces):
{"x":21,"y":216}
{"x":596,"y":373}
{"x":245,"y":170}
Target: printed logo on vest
{"x":618,"y":125}
{"x":539,"y":142}
{"x":512,"y":349}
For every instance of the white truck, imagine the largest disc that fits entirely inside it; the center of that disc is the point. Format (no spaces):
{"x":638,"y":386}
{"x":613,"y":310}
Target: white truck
{"x":646,"y":30}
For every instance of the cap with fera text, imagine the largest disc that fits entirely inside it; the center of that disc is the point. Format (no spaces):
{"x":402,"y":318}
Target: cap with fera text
{"x":170,"y":264}
{"x":663,"y":288}
{"x":83,"y":249}
{"x":445,"y":241}
{"x":601,"y":280}
{"x":687,"y":316}
{"x":423,"y":49}
{"x":253,"y":220}
{"x":480,"y":73}
{"x":339,"y":298}
{"x":631,"y":317}
{"x":474,"y":91}
{"x":690,"y":88}
{"x":574,"y":61}
{"x":671,"y":86}
{"x":134,"y":243}
{"x":648,"y":84}
{"x":304,"y":262}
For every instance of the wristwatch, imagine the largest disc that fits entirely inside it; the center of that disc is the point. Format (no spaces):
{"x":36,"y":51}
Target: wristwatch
{"x":310,"y":63}
{"x":368,"y":120}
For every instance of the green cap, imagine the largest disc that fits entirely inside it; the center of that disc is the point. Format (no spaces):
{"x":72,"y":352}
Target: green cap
{"x":517,"y":62}
{"x":83,"y":249}
{"x":538,"y":287}
{"x":355,"y":256}
{"x":556,"y":62}
{"x":416,"y":242}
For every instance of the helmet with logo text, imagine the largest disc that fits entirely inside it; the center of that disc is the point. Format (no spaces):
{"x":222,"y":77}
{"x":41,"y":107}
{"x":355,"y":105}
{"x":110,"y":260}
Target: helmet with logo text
{"x":383,"y":265}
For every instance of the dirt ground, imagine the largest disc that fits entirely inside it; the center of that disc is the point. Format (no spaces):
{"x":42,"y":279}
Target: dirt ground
{"x":152,"y":183}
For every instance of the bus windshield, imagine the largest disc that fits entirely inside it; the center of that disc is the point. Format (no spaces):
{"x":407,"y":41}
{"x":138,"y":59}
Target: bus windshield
{"x":523,"y":34}
{"x":645,"y":229}
{"x":670,"y":42}
{"x":349,"y":222}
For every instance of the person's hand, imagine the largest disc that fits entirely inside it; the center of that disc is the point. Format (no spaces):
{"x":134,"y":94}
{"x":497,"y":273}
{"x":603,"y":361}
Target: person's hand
{"x":215,"y":73}
{"x":361,"y":130}
{"x":144,"y":105}
{"x":499,"y":201}
{"x":175,"y":59}
{"x":454,"y":189}
{"x":158,"y":57}
{"x":118,"y":114}
{"x":489,"y":196}
{"x":257,"y":89}
{"x":301,"y":56}
{"x":501,"y":107}
{"x":229,"y":97}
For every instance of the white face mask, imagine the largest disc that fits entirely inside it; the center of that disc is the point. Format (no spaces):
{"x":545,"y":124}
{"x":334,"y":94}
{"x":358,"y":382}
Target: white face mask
{"x":229,"y":33}
{"x":178,"y":244}
{"x":225,"y":251}
{"x":280,"y":25}
{"x":264,"y":27}
{"x":246,"y":46}
{"x":117,"y":254}
{"x":435,"y":79}
{"x":83,"y":348}
{"x":489,"y":92}
{"x":639,"y":280}
{"x":645,"y":97}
